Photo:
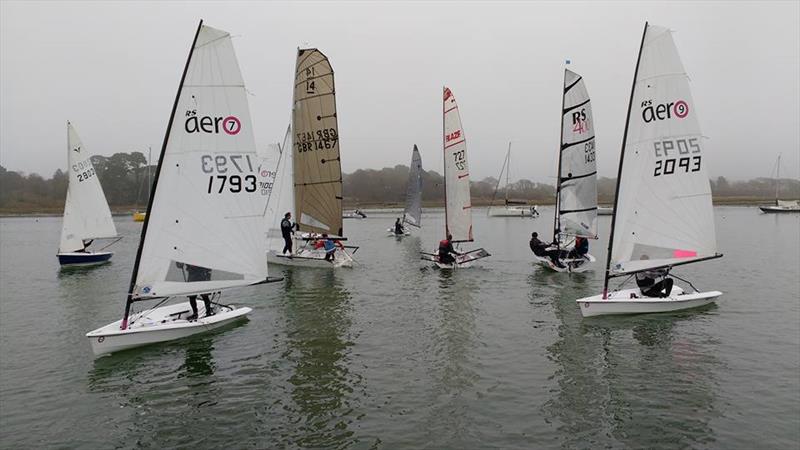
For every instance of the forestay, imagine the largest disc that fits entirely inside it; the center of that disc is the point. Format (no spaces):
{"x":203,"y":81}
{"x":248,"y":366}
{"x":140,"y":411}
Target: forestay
{"x":86,"y":213}
{"x":205,"y":226}
{"x":317,"y":165}
{"x":281,"y":199}
{"x":456,"y":173}
{"x":577,"y":194}
{"x":413,"y":212}
{"x":663,"y":214}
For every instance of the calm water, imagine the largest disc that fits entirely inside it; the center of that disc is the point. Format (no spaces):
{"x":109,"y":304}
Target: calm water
{"x":393,"y":354}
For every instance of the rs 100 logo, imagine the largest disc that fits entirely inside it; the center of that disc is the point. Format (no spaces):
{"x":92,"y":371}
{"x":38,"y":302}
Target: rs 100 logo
{"x":663,"y":111}
{"x":207,"y":124}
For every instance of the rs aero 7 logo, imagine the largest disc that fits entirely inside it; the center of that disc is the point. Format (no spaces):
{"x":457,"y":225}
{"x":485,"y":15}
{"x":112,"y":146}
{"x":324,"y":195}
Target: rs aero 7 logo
{"x":214,"y":125}
{"x":664,"y":111}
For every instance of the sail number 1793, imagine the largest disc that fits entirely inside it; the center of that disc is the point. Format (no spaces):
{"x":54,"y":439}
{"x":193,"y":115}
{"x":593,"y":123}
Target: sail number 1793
{"x":676,"y":155}
{"x":231,"y":173}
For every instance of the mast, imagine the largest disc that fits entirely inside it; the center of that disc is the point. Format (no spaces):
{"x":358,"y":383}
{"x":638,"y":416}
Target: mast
{"x":444,"y":160}
{"x":508,"y":169}
{"x":556,"y":214}
{"x":778,"y":179}
{"x":619,"y":170}
{"x":135,"y":271}
{"x":149,"y":159}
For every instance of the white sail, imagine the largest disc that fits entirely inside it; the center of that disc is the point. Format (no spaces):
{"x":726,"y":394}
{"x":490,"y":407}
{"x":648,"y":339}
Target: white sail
{"x":456,"y":173}
{"x":281,"y":200}
{"x":413,"y":211}
{"x":317,"y":162}
{"x":86,"y":213}
{"x":663,"y":213}
{"x":208,"y":206}
{"x":577,"y":195}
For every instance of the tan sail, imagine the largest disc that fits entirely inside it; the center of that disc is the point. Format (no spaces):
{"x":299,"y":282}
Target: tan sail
{"x":317,"y":166}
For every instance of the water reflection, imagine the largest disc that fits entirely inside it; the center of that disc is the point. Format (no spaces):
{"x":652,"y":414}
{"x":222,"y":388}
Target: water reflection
{"x":641,"y":381}
{"x":317,"y":311}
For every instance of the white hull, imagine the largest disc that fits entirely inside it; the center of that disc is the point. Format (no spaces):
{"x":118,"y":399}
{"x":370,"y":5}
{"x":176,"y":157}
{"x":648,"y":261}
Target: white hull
{"x":353,"y":215}
{"x":309,"y":258}
{"x":390,"y":232}
{"x":162,"y":324}
{"x":462,"y":261}
{"x":570,"y":265}
{"x":513,"y":211}
{"x":620,"y":302}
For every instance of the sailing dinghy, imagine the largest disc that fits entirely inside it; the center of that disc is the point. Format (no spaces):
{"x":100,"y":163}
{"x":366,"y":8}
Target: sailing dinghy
{"x":663,"y":215}
{"x":458,"y":203}
{"x":575,"y":213}
{"x":309,"y":180}
{"x":412,"y":214}
{"x":204,"y":231}
{"x":86,"y":213}
{"x":510,"y":208}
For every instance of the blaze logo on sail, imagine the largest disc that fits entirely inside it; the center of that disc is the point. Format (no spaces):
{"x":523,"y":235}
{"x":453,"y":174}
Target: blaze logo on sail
{"x":231,"y":125}
{"x":664,"y":111}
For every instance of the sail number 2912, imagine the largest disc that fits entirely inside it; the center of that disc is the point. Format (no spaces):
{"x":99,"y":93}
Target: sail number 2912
{"x":232,"y":173}
{"x":676,"y":156}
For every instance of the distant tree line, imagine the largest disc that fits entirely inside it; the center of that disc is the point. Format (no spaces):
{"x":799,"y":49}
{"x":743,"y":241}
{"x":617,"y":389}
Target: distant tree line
{"x":124,"y":180}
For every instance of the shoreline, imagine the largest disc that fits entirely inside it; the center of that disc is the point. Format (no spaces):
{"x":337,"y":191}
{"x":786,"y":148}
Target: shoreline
{"x":120,"y":212}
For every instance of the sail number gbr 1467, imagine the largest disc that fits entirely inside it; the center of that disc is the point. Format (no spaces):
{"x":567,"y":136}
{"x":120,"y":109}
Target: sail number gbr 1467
{"x":678,"y":155}
{"x":231,"y":173}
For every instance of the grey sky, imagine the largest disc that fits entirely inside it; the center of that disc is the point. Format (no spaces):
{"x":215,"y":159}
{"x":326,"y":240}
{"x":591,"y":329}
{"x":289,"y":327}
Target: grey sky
{"x":112,"y":68}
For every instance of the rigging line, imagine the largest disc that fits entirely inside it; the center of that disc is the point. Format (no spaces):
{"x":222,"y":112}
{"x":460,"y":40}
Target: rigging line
{"x":566,"y":110}
{"x":566,"y":89}
{"x":226,"y":35}
{"x":568,"y":145}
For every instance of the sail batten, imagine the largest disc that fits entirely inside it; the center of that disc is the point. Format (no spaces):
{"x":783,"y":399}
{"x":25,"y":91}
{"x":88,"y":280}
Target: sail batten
{"x":86,"y":212}
{"x":204,"y":226}
{"x":663,"y":214}
{"x":458,"y":208}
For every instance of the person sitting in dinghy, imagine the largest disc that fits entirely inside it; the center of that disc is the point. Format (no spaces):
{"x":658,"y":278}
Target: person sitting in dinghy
{"x":539,"y":248}
{"x":197,"y":273}
{"x":647,"y":283}
{"x":86,"y":243}
{"x":329,"y":245}
{"x":446,"y":250}
{"x":398,"y":227}
{"x":581,"y":248}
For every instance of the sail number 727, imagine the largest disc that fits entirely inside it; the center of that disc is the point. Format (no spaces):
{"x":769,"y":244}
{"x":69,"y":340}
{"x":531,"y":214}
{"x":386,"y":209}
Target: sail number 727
{"x":232,"y":173}
{"x":677,"y":154}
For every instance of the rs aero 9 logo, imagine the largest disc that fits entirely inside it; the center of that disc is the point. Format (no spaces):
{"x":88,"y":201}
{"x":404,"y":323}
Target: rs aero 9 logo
{"x":206,"y":124}
{"x":664,"y":111}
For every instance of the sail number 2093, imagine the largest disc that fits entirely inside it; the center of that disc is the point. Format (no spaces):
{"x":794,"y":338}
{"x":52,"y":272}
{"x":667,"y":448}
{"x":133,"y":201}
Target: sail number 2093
{"x":232,"y":173}
{"x":678,"y":154}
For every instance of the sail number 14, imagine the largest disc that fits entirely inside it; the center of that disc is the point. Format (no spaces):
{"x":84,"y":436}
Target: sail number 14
{"x":233,"y":173}
{"x":686,"y":159}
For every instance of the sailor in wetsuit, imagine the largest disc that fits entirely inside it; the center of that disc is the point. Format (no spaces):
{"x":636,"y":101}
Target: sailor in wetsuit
{"x":539,"y":248}
{"x":647,"y":283}
{"x":197,"y":273}
{"x":446,"y":251}
{"x":398,"y":227}
{"x":287,"y":228}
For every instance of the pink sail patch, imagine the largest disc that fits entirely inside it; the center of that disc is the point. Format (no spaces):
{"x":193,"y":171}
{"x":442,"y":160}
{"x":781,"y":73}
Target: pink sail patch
{"x":683,"y":253}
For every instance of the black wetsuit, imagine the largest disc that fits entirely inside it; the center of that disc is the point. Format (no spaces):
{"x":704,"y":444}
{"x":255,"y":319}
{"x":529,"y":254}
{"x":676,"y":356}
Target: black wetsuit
{"x":286,"y":232}
{"x":196,"y":273}
{"x":650,"y":288}
{"x":398,"y":228}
